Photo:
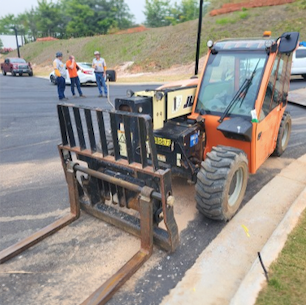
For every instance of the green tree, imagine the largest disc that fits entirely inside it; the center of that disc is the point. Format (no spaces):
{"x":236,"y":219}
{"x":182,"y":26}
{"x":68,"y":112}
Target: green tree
{"x":24,"y":26}
{"x":104,"y":16}
{"x":175,"y":15}
{"x":189,"y":10}
{"x":30,"y":20}
{"x":1,"y":44}
{"x":69,"y":18}
{"x":7,"y":23}
{"x":157,"y":13}
{"x":90,"y":17}
{"x":79,"y":18}
{"x":160,"y":13}
{"x":122,"y":14}
{"x":49,"y":19}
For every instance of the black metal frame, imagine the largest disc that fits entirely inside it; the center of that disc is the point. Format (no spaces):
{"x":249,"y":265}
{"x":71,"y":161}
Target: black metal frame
{"x":141,"y":186}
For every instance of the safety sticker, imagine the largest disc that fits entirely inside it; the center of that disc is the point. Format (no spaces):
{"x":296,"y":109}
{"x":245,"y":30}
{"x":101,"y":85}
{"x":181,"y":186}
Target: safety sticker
{"x":162,"y":141}
{"x":194,"y":139}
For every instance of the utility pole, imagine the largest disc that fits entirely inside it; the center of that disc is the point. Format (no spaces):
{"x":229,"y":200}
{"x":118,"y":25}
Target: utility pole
{"x":15,"y":30}
{"x":198,"y":39}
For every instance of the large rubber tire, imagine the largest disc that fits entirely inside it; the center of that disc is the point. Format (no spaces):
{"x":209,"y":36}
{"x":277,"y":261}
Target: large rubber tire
{"x":304,"y":76}
{"x":221,"y":182}
{"x":111,"y":75}
{"x":283,"y":135}
{"x":31,"y":74}
{"x":3,"y":72}
{"x":14,"y":73}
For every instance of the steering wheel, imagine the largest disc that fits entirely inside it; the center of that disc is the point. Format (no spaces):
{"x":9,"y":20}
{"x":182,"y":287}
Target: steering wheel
{"x":218,"y":104}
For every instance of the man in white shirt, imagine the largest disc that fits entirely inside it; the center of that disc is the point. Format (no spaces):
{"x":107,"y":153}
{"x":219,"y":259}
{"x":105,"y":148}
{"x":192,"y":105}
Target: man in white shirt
{"x":99,"y":65}
{"x":60,"y":72}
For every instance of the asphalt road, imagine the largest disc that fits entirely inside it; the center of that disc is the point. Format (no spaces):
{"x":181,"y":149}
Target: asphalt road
{"x":297,"y":82}
{"x":32,"y":182}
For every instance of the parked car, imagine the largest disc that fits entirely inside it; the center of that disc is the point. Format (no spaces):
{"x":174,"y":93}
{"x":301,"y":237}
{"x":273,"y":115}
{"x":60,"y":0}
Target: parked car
{"x":16,"y":66}
{"x":86,"y":74}
{"x":299,"y":62}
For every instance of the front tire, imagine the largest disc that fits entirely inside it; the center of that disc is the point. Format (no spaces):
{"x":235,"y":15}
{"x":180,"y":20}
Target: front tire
{"x":31,"y":74}
{"x":304,"y":76}
{"x":283,"y":135}
{"x":221,"y":182}
{"x":14,"y":73}
{"x":3,"y":72}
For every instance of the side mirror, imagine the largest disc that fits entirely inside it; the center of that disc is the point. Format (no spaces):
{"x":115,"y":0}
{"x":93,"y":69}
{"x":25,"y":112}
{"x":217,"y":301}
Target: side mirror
{"x":288,"y":42}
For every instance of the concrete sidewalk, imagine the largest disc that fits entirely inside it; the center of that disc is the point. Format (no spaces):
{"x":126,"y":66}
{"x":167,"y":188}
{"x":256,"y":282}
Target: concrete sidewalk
{"x":228,"y":271}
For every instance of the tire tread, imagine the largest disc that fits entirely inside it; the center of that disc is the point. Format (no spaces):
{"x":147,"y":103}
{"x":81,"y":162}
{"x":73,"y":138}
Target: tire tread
{"x":211,"y":180}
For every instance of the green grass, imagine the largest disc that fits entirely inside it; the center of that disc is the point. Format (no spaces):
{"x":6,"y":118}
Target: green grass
{"x":161,"y":48}
{"x":243,"y":15}
{"x":236,"y":16}
{"x":287,"y":285}
{"x":225,"y":20}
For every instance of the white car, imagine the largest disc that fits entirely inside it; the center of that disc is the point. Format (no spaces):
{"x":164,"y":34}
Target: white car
{"x":299,"y":62}
{"x":86,"y":74}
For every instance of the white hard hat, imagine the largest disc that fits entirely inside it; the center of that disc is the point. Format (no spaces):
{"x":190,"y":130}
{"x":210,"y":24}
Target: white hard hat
{"x":96,"y":53}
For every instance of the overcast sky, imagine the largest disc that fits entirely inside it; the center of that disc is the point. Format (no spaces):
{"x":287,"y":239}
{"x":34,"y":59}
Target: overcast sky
{"x":19,"y":6}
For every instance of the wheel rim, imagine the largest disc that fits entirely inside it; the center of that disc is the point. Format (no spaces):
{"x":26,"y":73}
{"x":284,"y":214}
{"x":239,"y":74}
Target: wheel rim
{"x":285,"y":135}
{"x":235,"y":187}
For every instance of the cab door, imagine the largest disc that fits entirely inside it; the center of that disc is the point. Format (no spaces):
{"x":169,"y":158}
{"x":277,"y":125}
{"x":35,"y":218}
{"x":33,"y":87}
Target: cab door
{"x":272,"y":108}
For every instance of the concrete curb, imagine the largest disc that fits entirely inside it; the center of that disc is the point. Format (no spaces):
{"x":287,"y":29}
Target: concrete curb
{"x":228,"y":262}
{"x":254,"y":280}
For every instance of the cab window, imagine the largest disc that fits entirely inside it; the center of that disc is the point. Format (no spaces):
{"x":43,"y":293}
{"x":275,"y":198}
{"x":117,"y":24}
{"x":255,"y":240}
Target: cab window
{"x":226,"y":74}
{"x":300,"y":53}
{"x":277,"y":89}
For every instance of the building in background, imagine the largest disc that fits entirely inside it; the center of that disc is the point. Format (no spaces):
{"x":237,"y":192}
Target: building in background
{"x":9,"y":41}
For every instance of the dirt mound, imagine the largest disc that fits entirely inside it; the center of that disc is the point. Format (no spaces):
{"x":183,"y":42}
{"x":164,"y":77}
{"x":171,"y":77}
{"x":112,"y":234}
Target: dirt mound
{"x":46,"y":39}
{"x":133,"y":30}
{"x":232,"y":7}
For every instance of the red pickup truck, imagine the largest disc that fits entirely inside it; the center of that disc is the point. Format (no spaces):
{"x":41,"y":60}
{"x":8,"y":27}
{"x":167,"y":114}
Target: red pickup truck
{"x":16,"y":65}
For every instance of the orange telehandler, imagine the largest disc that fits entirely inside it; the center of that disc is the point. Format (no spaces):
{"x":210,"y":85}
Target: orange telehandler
{"x":213,"y":130}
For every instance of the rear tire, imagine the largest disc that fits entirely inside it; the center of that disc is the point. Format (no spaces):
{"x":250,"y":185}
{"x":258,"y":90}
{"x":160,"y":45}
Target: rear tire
{"x":13,"y":73}
{"x":221,"y":182}
{"x":20,"y":74}
{"x":3,"y":72}
{"x":304,"y":76}
{"x":283,"y":135}
{"x":31,"y":74}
